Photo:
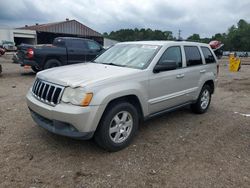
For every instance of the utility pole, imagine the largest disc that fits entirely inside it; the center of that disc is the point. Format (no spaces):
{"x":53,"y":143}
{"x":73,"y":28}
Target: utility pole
{"x":179,"y":35}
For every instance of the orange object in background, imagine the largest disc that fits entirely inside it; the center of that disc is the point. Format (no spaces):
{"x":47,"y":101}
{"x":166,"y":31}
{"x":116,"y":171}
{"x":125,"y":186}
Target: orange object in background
{"x":234,"y":63}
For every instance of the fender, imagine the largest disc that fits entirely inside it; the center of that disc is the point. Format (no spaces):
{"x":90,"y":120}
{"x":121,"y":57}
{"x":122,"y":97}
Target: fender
{"x":107,"y":94}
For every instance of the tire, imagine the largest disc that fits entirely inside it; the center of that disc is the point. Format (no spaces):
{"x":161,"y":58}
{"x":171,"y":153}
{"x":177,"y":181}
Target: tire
{"x":35,"y":69}
{"x":203,"y":102}
{"x":52,"y":63}
{"x":117,"y":127}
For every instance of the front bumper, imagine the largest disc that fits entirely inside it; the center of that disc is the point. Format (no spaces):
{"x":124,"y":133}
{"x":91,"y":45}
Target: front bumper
{"x":60,"y":128}
{"x":65,"y":119}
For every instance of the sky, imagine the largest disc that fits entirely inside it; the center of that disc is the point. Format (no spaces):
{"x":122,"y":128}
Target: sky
{"x":206,"y":17}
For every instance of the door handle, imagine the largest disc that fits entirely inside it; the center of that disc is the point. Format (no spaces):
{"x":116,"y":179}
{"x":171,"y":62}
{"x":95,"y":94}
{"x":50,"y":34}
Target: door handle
{"x":180,"y":76}
{"x":203,"y":71}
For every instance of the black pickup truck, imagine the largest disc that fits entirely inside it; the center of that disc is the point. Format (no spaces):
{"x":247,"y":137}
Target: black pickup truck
{"x":63,"y":51}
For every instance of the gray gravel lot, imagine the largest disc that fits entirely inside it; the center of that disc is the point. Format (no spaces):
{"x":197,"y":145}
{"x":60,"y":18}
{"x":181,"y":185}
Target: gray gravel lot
{"x":180,"y":149}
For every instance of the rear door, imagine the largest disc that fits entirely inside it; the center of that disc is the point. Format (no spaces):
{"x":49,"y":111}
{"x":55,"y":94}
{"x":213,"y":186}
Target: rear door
{"x":211,"y":63}
{"x":22,"y":53}
{"x":77,"y":51}
{"x":193,"y":71}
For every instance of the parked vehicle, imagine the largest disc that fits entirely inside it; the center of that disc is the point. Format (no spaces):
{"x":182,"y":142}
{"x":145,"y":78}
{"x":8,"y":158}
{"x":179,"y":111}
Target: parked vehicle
{"x":242,"y":54}
{"x":8,"y":46}
{"x":217,"y":48}
{"x":2,"y":51}
{"x":15,"y":58}
{"x":63,"y":51}
{"x":128,"y":83}
{"x":226,"y":53}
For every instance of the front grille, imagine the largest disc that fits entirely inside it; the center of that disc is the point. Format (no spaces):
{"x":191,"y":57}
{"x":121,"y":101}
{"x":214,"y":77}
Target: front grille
{"x":47,"y":92}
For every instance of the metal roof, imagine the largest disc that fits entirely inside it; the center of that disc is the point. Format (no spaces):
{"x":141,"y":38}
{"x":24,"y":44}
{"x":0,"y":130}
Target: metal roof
{"x":72,"y":27}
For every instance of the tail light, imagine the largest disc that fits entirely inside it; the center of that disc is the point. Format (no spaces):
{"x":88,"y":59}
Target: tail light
{"x":30,"y":53}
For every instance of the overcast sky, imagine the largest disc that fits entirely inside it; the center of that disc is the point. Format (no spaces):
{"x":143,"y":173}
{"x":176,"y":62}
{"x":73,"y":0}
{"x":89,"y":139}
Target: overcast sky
{"x":205,"y":17}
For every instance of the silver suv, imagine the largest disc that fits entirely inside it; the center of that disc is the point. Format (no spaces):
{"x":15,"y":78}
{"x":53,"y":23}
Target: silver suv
{"x":132,"y":81}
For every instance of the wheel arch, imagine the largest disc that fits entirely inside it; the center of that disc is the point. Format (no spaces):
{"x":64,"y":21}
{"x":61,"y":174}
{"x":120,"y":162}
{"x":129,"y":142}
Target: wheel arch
{"x":210,"y":83}
{"x":50,"y":57}
{"x":131,"y":98}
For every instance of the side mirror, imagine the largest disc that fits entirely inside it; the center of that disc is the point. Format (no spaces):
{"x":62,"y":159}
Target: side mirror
{"x":165,"y":66}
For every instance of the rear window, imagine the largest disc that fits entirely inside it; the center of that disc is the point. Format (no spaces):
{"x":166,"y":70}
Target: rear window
{"x":209,"y":58}
{"x":193,"y":56}
{"x":58,"y":42}
{"x":80,"y":44}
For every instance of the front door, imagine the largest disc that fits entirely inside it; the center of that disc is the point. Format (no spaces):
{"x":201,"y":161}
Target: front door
{"x":168,"y":88}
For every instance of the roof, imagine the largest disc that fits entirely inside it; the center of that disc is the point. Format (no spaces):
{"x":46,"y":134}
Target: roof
{"x":165,"y":42}
{"x":72,"y":27}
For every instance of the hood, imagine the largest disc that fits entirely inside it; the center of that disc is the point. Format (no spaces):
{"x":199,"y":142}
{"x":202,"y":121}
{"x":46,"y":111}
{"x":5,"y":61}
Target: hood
{"x":84,"y":74}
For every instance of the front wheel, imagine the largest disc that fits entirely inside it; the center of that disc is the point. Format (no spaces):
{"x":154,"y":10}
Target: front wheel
{"x":203,"y":101}
{"x":117,"y":127}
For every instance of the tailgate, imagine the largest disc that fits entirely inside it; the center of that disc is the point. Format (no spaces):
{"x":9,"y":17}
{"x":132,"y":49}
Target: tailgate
{"x":22,"y":51}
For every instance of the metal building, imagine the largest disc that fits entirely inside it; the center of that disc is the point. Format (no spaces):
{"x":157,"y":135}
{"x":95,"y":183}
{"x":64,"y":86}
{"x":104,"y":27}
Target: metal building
{"x":69,"y":28}
{"x":17,"y":36}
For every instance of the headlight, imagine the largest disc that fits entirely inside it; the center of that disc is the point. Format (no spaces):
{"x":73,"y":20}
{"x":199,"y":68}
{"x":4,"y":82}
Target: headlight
{"x":77,"y":96}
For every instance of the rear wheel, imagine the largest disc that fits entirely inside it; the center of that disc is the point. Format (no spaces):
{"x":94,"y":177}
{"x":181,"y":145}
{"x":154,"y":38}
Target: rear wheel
{"x":203,"y":101}
{"x":52,"y":63}
{"x":118,"y":127}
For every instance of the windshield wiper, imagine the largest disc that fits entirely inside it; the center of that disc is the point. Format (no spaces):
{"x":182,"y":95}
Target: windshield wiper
{"x":115,"y":64}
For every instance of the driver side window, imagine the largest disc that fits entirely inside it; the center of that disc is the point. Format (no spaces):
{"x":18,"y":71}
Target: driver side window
{"x":172,"y":54}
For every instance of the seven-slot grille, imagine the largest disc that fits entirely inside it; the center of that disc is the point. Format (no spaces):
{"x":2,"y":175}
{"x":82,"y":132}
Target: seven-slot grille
{"x":47,"y":92}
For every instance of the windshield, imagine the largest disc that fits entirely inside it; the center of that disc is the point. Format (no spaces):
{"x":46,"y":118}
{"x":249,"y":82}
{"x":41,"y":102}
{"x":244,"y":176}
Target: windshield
{"x":128,"y":55}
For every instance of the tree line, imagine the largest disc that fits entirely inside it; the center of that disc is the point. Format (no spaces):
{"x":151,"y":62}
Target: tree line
{"x":139,"y":34}
{"x":237,"y":37}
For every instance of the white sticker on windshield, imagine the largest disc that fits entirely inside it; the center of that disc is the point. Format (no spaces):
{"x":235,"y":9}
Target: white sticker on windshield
{"x":150,"y":47}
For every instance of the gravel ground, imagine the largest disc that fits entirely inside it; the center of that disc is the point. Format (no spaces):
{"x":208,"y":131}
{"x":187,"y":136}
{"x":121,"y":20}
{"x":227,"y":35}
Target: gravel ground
{"x":179,"y":149}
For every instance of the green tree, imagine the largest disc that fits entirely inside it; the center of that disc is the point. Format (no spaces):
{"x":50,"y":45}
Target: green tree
{"x":237,"y":37}
{"x":139,"y":34}
{"x":194,"y":38}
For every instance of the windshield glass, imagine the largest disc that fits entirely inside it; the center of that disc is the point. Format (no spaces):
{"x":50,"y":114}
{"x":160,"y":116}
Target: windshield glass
{"x":128,"y":55}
